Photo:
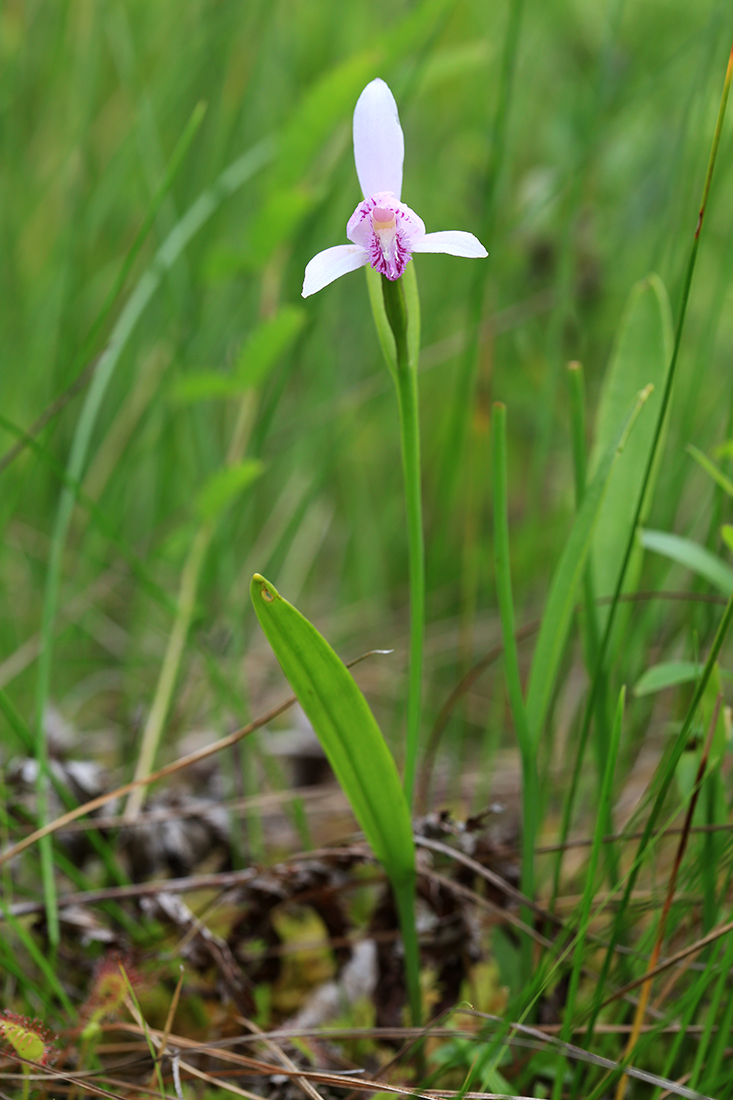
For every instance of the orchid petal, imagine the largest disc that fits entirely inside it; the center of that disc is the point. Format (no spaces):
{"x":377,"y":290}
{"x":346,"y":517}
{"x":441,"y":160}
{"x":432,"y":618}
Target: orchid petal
{"x":452,"y":241}
{"x":379,"y":145}
{"x":332,"y":264}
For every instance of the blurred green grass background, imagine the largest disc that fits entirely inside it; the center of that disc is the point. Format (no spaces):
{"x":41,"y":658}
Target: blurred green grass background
{"x":579,"y":163}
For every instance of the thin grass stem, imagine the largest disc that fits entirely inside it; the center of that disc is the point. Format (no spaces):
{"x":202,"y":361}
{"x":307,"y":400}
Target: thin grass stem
{"x":527,"y":749}
{"x":576,"y":387}
{"x":590,"y":884}
{"x":671,"y":889}
{"x":178,"y":636}
{"x":463,"y":401}
{"x":664,"y":781}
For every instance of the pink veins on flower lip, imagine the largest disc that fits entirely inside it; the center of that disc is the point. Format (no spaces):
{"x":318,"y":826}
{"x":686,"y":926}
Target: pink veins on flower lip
{"x":387,"y":230}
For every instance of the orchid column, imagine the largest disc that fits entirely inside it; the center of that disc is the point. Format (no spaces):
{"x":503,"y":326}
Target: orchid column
{"x":385,"y":233}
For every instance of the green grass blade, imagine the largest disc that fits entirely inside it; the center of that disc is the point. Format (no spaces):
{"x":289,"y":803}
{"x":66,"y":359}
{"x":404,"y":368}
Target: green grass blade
{"x":715,"y":472}
{"x":504,"y":583}
{"x":16,"y":722}
{"x":590,"y":882}
{"x":563,"y":591}
{"x":641,"y":357}
{"x":720,"y":1020}
{"x":717,"y":1020}
{"x":40,"y":958}
{"x":353,"y":743}
{"x":576,"y":388}
{"x":226,"y":484}
{"x":662,"y":782}
{"x":527,"y":751}
{"x":462,"y":406}
{"x":694,"y":557}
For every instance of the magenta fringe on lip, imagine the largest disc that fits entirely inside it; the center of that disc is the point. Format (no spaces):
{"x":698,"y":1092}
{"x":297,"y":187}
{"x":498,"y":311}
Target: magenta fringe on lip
{"x":390,"y":265}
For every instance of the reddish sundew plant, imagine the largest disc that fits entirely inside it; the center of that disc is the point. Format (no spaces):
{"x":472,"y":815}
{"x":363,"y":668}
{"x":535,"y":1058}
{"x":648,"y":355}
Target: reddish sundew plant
{"x":29,"y":1039}
{"x":113,"y":978}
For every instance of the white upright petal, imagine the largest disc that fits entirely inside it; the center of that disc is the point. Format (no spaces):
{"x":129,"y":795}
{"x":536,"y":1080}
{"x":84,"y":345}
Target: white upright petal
{"x":379,"y":146}
{"x":332,"y":264}
{"x":452,"y":241}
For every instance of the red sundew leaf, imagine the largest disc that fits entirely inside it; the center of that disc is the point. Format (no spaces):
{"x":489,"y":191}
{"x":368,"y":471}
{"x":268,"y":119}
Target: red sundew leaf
{"x":29,"y":1039}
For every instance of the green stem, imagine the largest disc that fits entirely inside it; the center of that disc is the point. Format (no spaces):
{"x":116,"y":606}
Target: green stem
{"x":405,"y":377}
{"x":405,"y":900}
{"x":527,"y":749}
{"x":578,"y":948}
{"x":576,"y":385}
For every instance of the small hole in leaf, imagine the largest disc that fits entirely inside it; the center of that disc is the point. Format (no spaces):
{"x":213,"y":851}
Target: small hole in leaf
{"x":267,"y":595}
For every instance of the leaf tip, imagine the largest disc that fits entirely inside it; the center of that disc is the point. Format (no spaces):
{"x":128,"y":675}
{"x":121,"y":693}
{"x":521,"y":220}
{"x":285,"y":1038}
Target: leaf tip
{"x":263,"y":588}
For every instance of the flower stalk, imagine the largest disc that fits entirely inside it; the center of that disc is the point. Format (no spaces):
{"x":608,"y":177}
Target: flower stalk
{"x":405,"y":376}
{"x":384,"y":233}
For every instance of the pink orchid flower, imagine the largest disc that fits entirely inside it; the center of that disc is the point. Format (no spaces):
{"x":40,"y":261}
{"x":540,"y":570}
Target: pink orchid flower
{"x":383,"y":230}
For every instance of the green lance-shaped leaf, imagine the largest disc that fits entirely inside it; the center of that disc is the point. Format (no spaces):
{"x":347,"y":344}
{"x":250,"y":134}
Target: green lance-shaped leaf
{"x":356,"y":750}
{"x":223,"y":486}
{"x":269,"y":340}
{"x":665,"y":675}
{"x":710,"y":709}
{"x":345,"y":726}
{"x":563,"y":590}
{"x":692,"y":556}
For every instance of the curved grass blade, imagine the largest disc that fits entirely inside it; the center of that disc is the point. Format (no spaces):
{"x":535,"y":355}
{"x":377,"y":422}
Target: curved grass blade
{"x":502,"y":568}
{"x":641,"y":357}
{"x":715,"y":472}
{"x":355,"y":748}
{"x":563,"y":592}
{"x":665,"y":675}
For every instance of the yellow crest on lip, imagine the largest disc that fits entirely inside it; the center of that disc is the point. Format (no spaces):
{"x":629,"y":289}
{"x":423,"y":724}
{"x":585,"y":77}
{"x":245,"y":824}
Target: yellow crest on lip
{"x":383,"y":218}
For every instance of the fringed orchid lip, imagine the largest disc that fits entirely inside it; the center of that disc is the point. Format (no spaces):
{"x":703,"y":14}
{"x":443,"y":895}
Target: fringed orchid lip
{"x":383,"y":230}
